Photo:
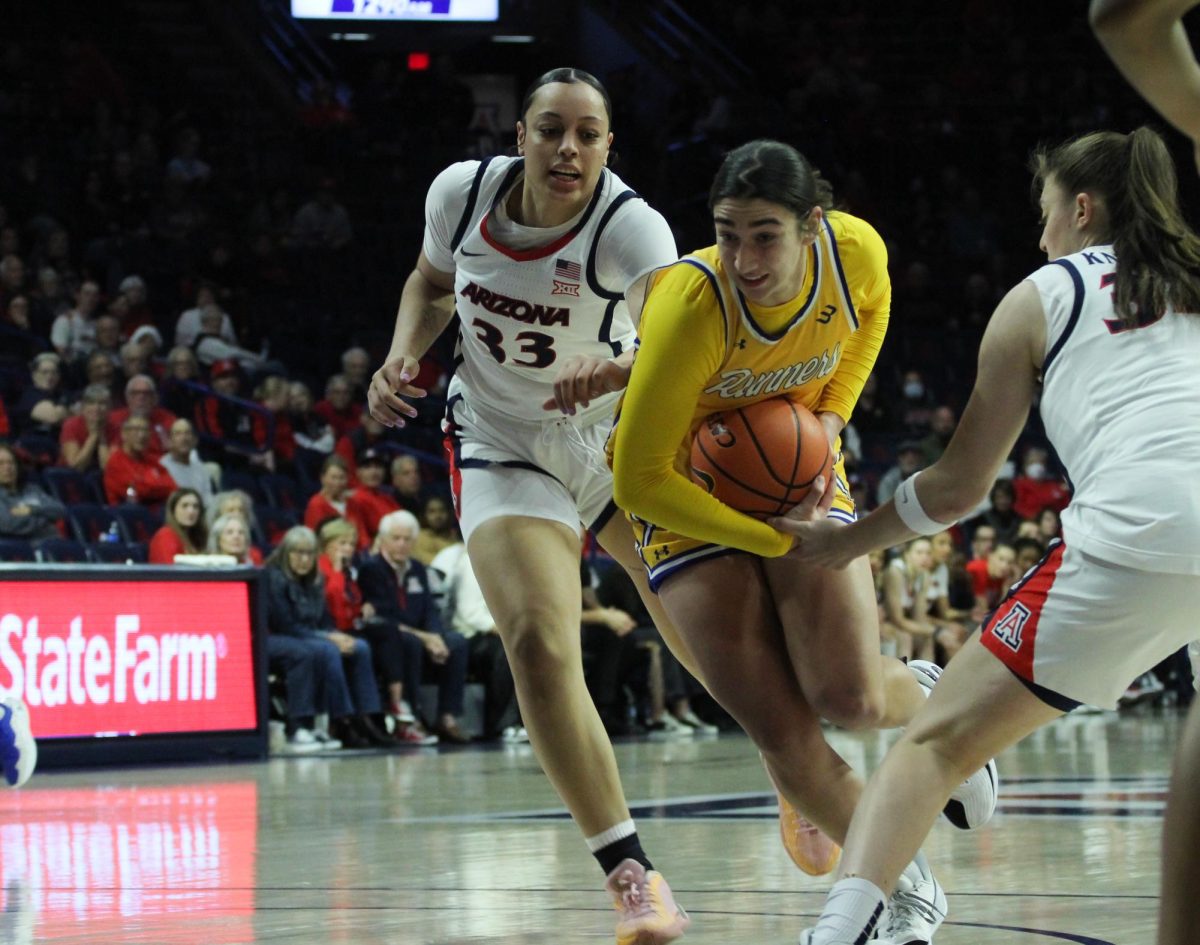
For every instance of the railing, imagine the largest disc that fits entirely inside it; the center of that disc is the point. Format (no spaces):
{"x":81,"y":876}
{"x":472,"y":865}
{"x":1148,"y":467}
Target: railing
{"x":670,"y":31}
{"x":292,"y":48}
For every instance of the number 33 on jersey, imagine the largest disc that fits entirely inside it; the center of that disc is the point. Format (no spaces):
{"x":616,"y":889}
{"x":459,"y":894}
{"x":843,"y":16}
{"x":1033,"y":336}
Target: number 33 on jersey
{"x":529,"y":298}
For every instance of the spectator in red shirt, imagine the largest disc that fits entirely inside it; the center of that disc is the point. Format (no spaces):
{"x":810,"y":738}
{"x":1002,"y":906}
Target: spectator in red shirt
{"x":272,"y":393}
{"x":339,"y":409}
{"x":370,"y":501}
{"x":183,"y":531}
{"x":332,"y":500}
{"x":83,"y":441}
{"x":131,"y":468}
{"x":992,"y":576}
{"x":1035,"y":488}
{"x":141,"y":399}
{"x":337,"y":541}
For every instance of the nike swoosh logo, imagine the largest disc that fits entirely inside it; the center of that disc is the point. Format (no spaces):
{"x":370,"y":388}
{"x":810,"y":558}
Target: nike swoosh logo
{"x":465,"y":253}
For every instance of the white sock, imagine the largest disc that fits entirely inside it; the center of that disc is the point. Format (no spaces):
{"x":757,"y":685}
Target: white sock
{"x":625,"y":828}
{"x":851,"y":913}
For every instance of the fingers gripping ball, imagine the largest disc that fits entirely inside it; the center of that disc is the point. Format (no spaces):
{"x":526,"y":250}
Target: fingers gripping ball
{"x":761,"y":459}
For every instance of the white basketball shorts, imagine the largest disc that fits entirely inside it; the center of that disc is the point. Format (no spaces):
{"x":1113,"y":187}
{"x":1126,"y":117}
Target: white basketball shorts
{"x":1078,"y":630}
{"x":553,"y":469}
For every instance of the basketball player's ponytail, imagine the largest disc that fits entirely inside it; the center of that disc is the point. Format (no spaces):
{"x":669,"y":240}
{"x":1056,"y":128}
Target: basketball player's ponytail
{"x":1158,"y":254}
{"x":1133,"y":178}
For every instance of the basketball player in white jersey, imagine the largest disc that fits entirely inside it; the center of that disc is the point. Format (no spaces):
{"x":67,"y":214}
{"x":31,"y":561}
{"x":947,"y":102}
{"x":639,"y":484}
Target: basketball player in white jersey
{"x":540,"y":253}
{"x":1110,"y":331}
{"x":1147,"y":41}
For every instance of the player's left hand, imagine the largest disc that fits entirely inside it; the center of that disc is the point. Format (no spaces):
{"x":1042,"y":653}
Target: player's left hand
{"x":581,"y":379}
{"x":816,"y":536}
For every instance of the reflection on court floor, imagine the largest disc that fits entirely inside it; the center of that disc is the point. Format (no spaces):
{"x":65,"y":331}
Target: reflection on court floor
{"x":467,"y":847}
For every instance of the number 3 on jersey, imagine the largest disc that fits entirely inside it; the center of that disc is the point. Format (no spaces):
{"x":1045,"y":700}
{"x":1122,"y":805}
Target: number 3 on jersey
{"x":537,"y":345}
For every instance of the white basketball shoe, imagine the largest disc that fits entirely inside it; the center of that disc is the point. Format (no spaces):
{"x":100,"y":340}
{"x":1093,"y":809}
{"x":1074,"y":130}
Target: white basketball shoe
{"x":974,"y":801}
{"x":916,"y":910}
{"x":18,"y":750}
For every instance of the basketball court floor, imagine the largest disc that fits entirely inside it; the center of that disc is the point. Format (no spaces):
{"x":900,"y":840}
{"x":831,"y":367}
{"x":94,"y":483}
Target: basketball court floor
{"x":466,"y":846}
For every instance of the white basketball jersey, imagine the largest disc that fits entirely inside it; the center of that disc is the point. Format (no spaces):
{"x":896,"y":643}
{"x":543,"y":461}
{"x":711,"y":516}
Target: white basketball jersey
{"x":1122,"y":408}
{"x":524,"y":312}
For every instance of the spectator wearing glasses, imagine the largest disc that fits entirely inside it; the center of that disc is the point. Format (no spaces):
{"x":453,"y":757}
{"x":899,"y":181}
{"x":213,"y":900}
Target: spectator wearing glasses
{"x":132,"y":475}
{"x":141,"y":400}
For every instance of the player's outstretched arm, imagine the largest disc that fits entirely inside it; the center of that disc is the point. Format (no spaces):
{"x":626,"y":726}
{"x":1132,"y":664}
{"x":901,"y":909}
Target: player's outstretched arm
{"x":422,"y":316}
{"x":1147,"y":41}
{"x":951,"y":487}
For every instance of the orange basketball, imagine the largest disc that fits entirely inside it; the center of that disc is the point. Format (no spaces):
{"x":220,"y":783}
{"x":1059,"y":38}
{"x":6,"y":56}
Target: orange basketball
{"x":761,"y":459}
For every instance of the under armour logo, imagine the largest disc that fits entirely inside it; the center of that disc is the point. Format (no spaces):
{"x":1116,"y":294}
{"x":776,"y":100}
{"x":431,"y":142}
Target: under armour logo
{"x":741,"y":344}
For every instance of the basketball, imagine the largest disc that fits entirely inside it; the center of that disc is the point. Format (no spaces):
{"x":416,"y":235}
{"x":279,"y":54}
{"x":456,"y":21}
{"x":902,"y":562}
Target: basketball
{"x":761,"y":459}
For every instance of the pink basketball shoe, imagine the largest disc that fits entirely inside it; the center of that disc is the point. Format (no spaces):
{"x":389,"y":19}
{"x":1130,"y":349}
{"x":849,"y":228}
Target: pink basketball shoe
{"x":646,"y":910}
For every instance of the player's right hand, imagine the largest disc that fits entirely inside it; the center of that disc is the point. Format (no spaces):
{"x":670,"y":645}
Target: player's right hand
{"x":389,"y":385}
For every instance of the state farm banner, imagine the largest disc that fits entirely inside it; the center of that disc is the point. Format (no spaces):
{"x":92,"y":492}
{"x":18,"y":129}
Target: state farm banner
{"x":103,"y":658}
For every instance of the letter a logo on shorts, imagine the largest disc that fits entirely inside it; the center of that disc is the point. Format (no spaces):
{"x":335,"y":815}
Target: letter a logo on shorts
{"x":1008,"y":631}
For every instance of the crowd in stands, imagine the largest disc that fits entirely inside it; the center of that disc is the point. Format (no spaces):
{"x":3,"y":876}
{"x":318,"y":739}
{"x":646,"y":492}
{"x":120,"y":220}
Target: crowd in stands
{"x":166,"y":329}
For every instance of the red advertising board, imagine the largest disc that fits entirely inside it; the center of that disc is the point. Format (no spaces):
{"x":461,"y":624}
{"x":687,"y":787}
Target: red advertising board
{"x":129,"y":657}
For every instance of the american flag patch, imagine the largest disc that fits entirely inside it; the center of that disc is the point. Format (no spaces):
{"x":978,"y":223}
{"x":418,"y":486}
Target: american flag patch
{"x":565,"y":269}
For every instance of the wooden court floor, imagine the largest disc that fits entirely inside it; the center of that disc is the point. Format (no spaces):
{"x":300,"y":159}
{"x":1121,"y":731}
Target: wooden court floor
{"x":450,"y":847}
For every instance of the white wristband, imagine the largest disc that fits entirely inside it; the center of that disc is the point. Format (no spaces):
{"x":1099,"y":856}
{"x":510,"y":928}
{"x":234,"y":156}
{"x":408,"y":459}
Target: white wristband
{"x":908,"y":507}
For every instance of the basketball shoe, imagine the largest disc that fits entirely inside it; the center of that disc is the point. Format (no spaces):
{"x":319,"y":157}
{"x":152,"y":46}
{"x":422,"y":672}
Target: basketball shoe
{"x":973,"y":802}
{"x":646,"y":910}
{"x":916,"y":910}
{"x":812,"y":851}
{"x":18,"y":750}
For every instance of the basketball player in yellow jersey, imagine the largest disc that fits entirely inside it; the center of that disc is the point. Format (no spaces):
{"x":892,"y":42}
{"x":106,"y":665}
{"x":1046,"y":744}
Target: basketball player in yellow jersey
{"x":793,"y":300}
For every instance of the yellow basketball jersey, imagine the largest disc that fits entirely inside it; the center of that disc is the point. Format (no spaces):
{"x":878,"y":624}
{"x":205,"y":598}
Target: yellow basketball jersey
{"x":706,"y":348}
{"x":800,"y":356}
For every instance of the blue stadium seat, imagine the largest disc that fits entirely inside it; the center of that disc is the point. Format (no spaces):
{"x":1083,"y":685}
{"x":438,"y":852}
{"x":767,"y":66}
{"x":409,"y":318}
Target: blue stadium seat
{"x":95,"y":483}
{"x":272,"y":523}
{"x":282,"y":492}
{"x":137,"y":522}
{"x":16,"y":549}
{"x":238,"y":479}
{"x":119,"y":552}
{"x":62,"y":551}
{"x":89,"y":522}
{"x":67,"y":485}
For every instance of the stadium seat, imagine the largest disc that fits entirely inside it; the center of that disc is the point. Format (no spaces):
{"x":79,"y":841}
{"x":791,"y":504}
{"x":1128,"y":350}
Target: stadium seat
{"x":119,"y":552}
{"x":16,"y":549}
{"x":238,"y":479}
{"x":62,"y":551}
{"x":89,"y":522}
{"x":282,"y":492}
{"x":67,"y":485}
{"x":273,"y":522}
{"x":137,"y":522}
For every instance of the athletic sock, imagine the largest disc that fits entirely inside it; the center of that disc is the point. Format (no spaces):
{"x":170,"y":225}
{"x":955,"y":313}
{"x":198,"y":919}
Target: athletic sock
{"x":851,"y":913}
{"x":617,"y":843}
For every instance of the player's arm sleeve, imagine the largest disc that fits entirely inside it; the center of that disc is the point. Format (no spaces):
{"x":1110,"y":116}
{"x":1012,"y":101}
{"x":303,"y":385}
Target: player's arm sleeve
{"x":871,"y":289}
{"x":680,"y":350}
{"x":444,"y":206}
{"x":637,"y":241}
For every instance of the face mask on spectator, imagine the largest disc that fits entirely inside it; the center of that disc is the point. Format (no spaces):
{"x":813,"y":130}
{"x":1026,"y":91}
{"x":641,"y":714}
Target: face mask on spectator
{"x":913,"y":389}
{"x":1035,"y":470}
